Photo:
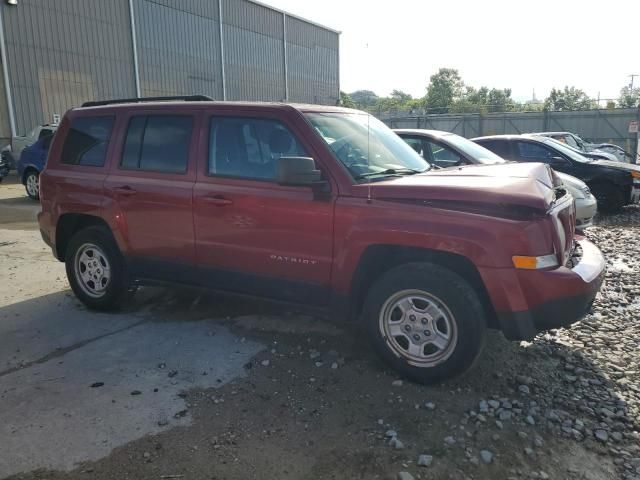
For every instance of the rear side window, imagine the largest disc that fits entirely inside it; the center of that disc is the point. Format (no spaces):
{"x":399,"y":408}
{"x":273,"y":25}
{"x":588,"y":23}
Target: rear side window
{"x":499,"y":147}
{"x":158,"y":143}
{"x":87,"y":141}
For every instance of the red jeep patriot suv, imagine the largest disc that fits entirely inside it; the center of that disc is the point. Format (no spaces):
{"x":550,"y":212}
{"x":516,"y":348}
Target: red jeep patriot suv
{"x":321,"y":206}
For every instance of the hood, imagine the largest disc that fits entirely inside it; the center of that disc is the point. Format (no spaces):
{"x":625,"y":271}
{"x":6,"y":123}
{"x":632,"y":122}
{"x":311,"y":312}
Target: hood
{"x":618,"y":165}
{"x":527,"y":185}
{"x":599,"y":154}
{"x":571,"y":181}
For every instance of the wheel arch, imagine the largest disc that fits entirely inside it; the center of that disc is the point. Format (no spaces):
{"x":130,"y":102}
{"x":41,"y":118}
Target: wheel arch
{"x":376,"y":260}
{"x":25,"y":172}
{"x":71,"y":223}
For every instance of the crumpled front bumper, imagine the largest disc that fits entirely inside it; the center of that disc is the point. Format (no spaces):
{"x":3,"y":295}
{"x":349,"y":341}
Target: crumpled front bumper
{"x":556,"y":298}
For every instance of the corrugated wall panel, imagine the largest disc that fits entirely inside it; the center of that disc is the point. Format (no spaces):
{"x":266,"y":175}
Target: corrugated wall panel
{"x":253,"y":51}
{"x":5,"y":127}
{"x":63,"y":52}
{"x":178,"y":47}
{"x":313,"y":70}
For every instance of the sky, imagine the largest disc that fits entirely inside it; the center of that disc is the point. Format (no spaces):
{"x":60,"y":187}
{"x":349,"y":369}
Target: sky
{"x":519,"y":44}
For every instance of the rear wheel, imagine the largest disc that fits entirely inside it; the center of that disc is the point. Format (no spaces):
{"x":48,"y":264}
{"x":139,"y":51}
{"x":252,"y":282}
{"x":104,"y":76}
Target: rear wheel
{"x":610,"y":197}
{"x":96,"y":269}
{"x":425,"y":321}
{"x":32,"y":184}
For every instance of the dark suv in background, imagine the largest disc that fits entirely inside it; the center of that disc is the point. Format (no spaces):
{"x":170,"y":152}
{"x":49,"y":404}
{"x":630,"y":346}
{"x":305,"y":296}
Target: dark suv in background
{"x":614,"y":184}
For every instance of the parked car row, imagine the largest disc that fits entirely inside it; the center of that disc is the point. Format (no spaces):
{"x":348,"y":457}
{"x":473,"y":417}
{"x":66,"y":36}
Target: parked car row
{"x":445,"y":149}
{"x":12,"y":152}
{"x":603,"y":151}
{"x":614,"y":184}
{"x":320,"y":206}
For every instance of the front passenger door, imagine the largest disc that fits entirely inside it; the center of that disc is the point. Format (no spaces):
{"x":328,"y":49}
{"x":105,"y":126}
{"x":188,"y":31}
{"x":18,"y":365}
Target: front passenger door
{"x":253,"y":235}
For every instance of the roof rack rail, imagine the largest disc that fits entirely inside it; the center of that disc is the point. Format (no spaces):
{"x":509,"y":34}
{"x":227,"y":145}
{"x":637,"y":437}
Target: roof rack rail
{"x":186,"y":98}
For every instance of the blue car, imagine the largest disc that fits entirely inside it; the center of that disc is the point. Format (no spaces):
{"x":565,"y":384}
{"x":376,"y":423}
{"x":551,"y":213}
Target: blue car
{"x":31,"y":163}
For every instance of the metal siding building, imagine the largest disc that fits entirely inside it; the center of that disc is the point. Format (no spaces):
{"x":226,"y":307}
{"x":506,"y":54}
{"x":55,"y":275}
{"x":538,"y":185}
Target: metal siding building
{"x":60,"y":53}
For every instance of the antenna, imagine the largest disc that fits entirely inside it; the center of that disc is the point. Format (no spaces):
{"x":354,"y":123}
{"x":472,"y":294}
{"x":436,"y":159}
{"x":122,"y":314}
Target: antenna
{"x":368,"y":158}
{"x":366,"y":46}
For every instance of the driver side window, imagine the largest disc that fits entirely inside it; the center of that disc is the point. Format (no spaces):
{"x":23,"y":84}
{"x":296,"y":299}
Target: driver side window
{"x":249,"y":147}
{"x":443,"y":156}
{"x":533,"y":152}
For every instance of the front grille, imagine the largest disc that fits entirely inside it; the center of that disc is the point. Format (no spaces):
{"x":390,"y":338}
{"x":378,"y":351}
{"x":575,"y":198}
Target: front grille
{"x":575,"y":255}
{"x":559,"y":192}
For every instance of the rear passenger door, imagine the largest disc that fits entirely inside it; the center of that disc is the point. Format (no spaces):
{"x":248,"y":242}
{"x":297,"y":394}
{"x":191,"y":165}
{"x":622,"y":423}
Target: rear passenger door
{"x":150,"y":189}
{"x":253,"y":235}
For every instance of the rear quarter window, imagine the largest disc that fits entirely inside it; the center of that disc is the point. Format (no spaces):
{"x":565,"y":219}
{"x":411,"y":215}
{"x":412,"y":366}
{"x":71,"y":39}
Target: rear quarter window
{"x":87,"y":141}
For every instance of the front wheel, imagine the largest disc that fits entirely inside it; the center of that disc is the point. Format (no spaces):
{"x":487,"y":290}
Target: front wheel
{"x":96,"y":269}
{"x":425,"y":321}
{"x":32,"y":184}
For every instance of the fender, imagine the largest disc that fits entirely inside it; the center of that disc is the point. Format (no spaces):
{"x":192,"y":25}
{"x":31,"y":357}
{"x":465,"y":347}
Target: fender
{"x":482,"y":239}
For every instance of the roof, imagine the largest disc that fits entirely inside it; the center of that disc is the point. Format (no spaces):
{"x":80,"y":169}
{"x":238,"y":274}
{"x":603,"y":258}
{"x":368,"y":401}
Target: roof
{"x":551,"y":133}
{"x":504,"y":137}
{"x":528,"y":136}
{"x":425,"y":132}
{"x":198,"y":105}
{"x":270,"y":7}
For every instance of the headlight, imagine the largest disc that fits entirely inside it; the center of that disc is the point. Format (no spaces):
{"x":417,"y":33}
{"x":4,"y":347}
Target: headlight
{"x":635,"y":176}
{"x":535,"y":263}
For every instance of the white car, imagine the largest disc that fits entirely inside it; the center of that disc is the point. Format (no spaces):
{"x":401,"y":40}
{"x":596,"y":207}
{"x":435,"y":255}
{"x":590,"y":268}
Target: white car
{"x":586,"y":203}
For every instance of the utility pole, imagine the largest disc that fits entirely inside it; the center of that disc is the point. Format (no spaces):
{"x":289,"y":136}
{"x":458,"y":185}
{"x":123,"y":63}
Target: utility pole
{"x":631,"y":84}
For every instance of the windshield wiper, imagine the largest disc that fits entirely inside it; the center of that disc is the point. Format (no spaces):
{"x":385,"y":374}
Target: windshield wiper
{"x":390,"y":171}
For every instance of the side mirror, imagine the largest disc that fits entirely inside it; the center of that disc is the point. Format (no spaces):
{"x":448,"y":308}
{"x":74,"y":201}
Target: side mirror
{"x":298,"y":171}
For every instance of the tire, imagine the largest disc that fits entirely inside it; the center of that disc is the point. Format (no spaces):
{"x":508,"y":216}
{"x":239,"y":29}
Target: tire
{"x":451,"y":308}
{"x":32,"y":184}
{"x":610,"y":197}
{"x":96,"y":269}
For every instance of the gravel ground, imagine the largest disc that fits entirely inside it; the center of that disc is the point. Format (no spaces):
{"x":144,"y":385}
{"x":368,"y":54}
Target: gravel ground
{"x":316,"y":404}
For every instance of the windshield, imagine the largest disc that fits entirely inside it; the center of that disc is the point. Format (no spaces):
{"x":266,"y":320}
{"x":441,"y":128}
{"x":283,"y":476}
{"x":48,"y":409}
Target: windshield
{"x":568,"y":151}
{"x":473,"y":150}
{"x":366,"y":146}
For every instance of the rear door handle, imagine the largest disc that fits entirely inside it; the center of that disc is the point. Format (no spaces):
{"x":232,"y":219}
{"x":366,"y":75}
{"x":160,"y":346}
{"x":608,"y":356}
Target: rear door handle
{"x":126,"y":191}
{"x":218,"y":201}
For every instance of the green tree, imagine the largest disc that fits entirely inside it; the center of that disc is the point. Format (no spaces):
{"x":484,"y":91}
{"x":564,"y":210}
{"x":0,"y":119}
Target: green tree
{"x":570,"y":98}
{"x":499,"y":100}
{"x":445,"y":88}
{"x":629,"y":98}
{"x":398,"y":100}
{"x":364,"y":98}
{"x":401,"y":97}
{"x":484,"y":100}
{"x":346,"y":100}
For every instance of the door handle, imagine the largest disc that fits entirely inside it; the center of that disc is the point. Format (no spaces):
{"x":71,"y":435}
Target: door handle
{"x":218,"y":201}
{"x":125,"y":191}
